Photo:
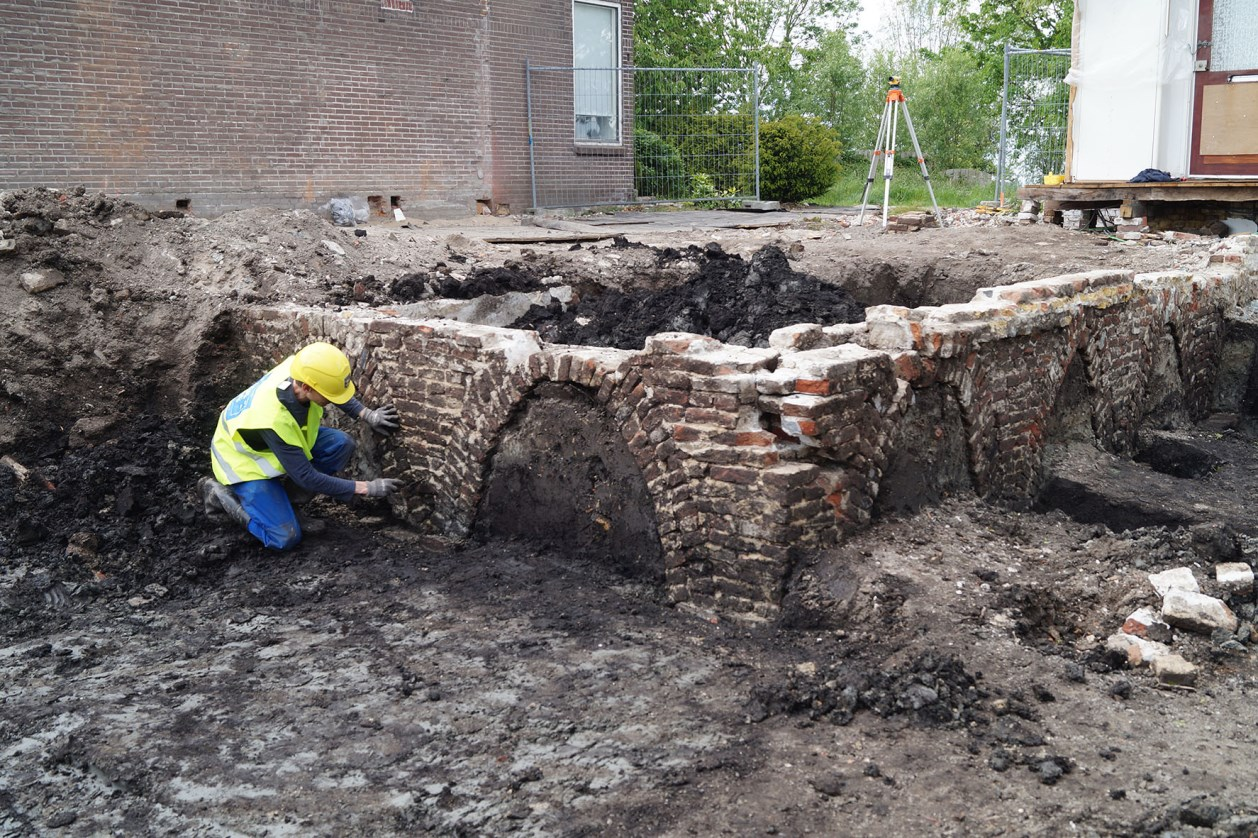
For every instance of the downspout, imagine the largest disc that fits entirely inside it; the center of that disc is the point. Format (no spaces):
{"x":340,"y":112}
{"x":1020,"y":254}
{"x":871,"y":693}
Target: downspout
{"x":1160,"y":89}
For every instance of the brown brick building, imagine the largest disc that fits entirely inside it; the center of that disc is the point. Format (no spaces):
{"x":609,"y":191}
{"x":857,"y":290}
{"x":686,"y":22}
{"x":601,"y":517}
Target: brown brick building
{"x":221,"y":105}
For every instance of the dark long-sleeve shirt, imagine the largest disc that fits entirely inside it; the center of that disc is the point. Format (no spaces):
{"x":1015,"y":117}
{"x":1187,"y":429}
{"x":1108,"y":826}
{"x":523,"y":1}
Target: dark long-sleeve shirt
{"x":293,"y":459}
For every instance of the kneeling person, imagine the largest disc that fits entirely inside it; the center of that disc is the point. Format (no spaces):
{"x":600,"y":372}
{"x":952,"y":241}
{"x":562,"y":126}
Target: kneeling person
{"x":273,"y":430}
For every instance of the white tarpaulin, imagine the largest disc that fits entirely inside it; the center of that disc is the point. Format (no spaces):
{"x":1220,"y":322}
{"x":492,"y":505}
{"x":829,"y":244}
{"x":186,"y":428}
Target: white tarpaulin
{"x":1133,"y":65}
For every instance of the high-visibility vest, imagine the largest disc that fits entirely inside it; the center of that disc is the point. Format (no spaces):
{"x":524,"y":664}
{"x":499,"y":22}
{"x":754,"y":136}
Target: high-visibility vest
{"x":259,"y":408}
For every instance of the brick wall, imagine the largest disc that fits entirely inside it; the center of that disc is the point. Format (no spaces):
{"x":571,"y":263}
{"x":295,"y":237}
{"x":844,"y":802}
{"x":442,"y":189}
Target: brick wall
{"x":541,"y":32}
{"x":752,"y":455}
{"x":280,"y":103}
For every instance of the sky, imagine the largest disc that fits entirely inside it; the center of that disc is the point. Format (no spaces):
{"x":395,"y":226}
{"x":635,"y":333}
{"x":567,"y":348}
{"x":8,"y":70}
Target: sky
{"x":871,"y":15}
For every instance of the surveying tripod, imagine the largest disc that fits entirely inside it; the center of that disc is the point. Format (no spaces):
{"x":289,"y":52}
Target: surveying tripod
{"x":885,"y":146}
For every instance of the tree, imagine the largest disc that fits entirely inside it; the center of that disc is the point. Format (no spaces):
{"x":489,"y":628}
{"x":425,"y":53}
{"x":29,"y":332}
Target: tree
{"x":774,"y":34}
{"x":778,"y":34}
{"x":680,"y":33}
{"x":953,"y":110}
{"x":924,"y":27}
{"x":832,"y":84}
{"x":1030,"y":24}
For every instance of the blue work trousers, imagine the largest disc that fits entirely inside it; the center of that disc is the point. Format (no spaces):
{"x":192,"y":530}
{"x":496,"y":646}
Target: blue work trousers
{"x":272,"y":519}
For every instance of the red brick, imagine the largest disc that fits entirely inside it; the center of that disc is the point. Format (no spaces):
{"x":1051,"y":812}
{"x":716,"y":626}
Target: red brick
{"x":733,"y":474}
{"x":818,"y":387}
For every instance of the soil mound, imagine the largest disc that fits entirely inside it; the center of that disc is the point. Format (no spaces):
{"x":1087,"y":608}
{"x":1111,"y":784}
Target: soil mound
{"x":90,"y":518}
{"x":730,"y":299}
{"x":933,"y":689}
{"x":493,"y":282}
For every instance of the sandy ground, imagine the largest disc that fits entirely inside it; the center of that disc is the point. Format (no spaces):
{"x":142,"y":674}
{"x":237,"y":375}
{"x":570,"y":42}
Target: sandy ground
{"x":944,"y":672}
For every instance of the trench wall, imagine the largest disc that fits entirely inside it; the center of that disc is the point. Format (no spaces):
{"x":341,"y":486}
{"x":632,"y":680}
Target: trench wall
{"x":753,"y":455}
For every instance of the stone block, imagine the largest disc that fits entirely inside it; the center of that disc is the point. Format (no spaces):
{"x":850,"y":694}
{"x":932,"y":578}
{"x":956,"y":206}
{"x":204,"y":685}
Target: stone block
{"x":888,"y":333}
{"x":36,"y":282}
{"x":1148,"y":624}
{"x":680,"y":343}
{"x":792,"y":474}
{"x":840,"y":333}
{"x":1236,"y":578}
{"x":1177,"y":578}
{"x":1197,"y":612}
{"x":799,"y":337}
{"x":1173,"y":670}
{"x":1139,"y":652}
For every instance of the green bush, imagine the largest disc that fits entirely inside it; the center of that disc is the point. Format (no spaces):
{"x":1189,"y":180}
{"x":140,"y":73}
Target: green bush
{"x":658,"y":171}
{"x":799,"y":158}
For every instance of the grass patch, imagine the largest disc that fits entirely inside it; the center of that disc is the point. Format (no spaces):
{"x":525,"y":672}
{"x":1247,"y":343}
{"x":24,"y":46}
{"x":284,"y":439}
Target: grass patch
{"x":908,"y":189}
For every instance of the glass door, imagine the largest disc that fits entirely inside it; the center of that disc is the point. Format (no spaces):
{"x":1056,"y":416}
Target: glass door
{"x":1225,"y":107}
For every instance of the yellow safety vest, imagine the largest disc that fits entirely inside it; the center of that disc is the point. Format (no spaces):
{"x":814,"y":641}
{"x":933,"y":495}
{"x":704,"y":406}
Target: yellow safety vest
{"x":256,"y":409}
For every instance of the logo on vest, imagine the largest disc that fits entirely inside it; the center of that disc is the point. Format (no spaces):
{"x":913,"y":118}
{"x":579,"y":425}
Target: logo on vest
{"x":242,"y":402}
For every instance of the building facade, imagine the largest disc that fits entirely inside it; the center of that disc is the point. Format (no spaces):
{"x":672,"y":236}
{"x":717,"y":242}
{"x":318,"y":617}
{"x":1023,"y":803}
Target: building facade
{"x":212,"y":106}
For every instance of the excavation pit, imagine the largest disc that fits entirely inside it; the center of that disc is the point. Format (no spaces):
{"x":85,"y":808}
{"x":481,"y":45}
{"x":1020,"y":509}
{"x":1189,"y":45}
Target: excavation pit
{"x":752,"y":451}
{"x":731,"y":405}
{"x":382,"y":679}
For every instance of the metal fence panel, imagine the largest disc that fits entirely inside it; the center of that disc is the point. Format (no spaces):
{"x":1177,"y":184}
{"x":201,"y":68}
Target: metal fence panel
{"x":1035,"y":107}
{"x":687,"y":135}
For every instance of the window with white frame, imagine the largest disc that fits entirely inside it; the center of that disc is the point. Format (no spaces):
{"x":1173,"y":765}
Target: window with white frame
{"x":596,"y":75}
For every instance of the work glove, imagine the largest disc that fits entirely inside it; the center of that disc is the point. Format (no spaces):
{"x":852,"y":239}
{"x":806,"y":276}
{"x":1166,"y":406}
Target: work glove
{"x":383,"y":420}
{"x":382,"y":486}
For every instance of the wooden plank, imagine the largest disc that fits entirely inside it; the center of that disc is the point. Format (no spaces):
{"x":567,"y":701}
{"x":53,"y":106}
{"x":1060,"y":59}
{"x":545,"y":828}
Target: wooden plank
{"x":1195,"y":190}
{"x":543,"y":238}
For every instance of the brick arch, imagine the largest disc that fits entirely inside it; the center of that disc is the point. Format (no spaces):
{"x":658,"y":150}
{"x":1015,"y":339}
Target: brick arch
{"x":1071,"y":416}
{"x":623,"y":387}
{"x":928,"y":452}
{"x":559,"y":472}
{"x":754,"y":456}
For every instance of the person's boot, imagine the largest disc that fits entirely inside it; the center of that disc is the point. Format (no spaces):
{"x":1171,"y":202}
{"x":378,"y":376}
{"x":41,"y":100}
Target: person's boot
{"x":220,"y":502}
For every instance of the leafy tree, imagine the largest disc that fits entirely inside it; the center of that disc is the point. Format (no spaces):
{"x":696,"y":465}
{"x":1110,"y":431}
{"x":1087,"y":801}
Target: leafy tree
{"x":832,"y":84}
{"x":680,"y":33}
{"x":1030,"y":24}
{"x":1036,"y":125}
{"x":778,"y":34}
{"x":1033,"y":24}
{"x":954,"y":113}
{"x":738,"y":33}
{"x":924,"y":27}
{"x":952,"y":110}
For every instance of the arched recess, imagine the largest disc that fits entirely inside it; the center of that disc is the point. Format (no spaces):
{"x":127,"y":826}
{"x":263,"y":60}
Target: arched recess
{"x":1072,"y":420}
{"x":1165,"y":404}
{"x":562,"y":475}
{"x":929,"y":454}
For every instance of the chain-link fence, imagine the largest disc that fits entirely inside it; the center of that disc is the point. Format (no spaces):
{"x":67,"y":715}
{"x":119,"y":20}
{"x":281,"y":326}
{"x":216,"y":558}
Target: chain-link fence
{"x":1034,"y":110}
{"x":685,"y":135}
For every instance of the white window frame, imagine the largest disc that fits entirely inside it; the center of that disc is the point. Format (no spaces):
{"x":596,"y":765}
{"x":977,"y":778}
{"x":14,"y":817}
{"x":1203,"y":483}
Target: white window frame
{"x":577,"y":73}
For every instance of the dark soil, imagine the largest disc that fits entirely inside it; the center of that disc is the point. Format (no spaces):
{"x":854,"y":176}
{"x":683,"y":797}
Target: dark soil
{"x":736,"y":301}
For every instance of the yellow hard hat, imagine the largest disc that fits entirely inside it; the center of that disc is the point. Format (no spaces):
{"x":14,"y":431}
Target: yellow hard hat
{"x":326,"y":369}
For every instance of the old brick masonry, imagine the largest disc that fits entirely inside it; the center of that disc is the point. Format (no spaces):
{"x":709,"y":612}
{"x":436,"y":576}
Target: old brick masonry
{"x":751,"y":455}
